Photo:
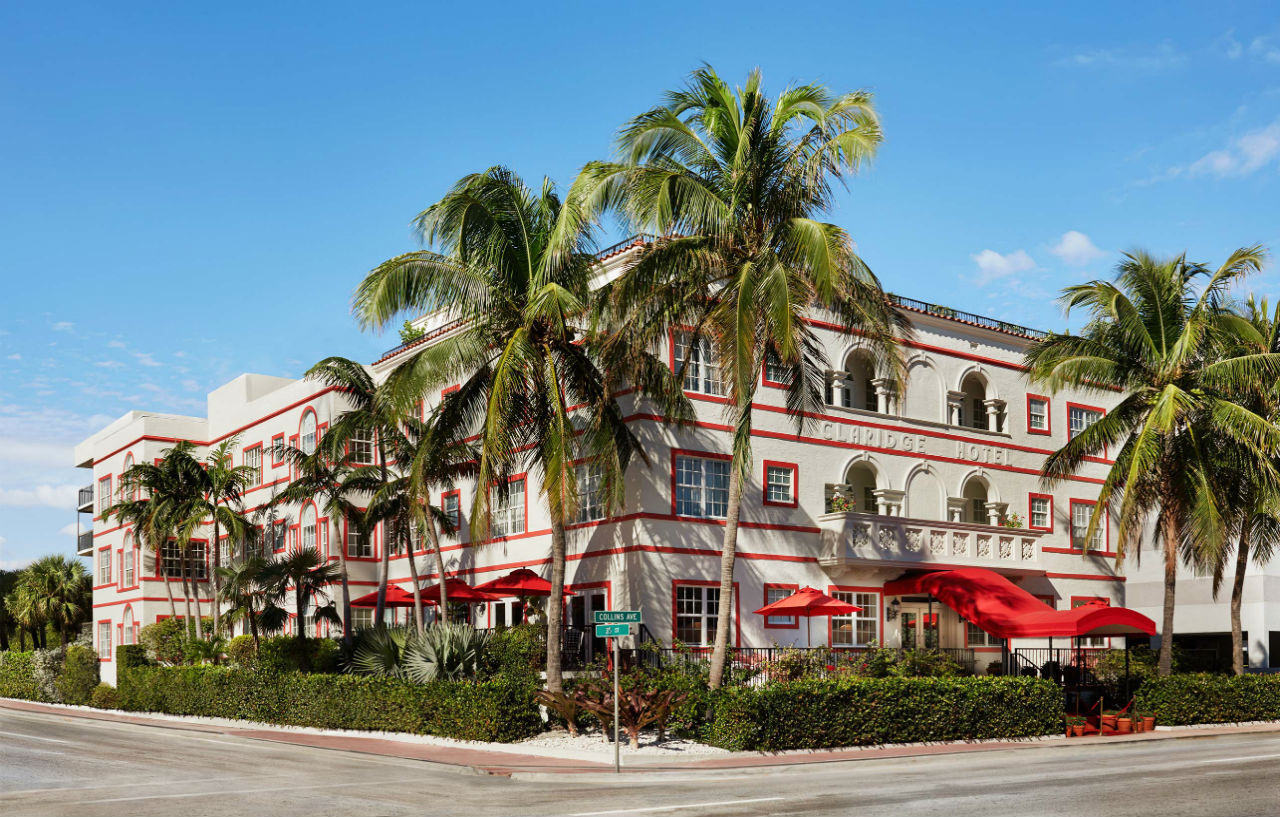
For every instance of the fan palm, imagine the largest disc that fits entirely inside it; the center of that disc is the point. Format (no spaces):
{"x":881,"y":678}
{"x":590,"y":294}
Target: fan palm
{"x":738,"y":182}
{"x":60,"y":591}
{"x":308,"y":577}
{"x":1161,"y":335}
{"x":245,"y":589}
{"x":8,"y":578}
{"x":535,"y":389}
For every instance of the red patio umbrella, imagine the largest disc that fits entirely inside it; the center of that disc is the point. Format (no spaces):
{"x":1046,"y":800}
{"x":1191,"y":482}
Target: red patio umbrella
{"x":808,"y":602}
{"x":520,"y":582}
{"x":396,"y":597}
{"x":458,"y":591}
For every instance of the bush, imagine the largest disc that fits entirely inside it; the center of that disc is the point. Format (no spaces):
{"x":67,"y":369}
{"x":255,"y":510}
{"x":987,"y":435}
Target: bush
{"x":104,"y":697}
{"x":17,"y":676}
{"x":285,"y":653}
{"x":1205,"y":698}
{"x":129,"y":656}
{"x":497,"y":710}
{"x":242,"y":652}
{"x":516,"y":653}
{"x":79,"y":675}
{"x":165,"y":641}
{"x":46,"y":667}
{"x":850,"y":711}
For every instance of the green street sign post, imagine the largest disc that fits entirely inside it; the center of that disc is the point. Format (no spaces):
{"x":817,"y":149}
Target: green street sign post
{"x":611,"y":624}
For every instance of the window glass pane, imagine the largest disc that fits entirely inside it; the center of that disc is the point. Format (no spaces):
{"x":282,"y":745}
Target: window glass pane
{"x":700,"y":364}
{"x":773,"y":594}
{"x":779,"y":488}
{"x":696,"y":611}
{"x":1078,"y":419}
{"x":590,"y":492}
{"x":358,"y":545}
{"x":1039,"y":512}
{"x":308,"y":444}
{"x":104,"y":567}
{"x":508,"y":508}
{"x":253,"y":461}
{"x":1038,"y":414}
{"x":361,"y":447}
{"x":861,"y":627}
{"x":453,"y":509}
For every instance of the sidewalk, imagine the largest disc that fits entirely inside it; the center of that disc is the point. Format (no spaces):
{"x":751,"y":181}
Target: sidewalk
{"x":508,"y":760}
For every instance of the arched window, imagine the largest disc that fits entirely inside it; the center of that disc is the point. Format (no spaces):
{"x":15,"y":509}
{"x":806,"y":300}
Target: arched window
{"x":307,"y":434}
{"x":975,"y":502}
{"x":854,"y":388}
{"x":309,"y":526}
{"x":856,"y":493}
{"x":128,"y":463}
{"x":126,"y":626}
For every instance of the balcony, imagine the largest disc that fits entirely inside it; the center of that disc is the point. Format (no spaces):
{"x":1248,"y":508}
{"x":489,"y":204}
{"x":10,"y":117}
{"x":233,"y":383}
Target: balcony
{"x":852,"y":539}
{"x":84,"y":544}
{"x":85,"y":502}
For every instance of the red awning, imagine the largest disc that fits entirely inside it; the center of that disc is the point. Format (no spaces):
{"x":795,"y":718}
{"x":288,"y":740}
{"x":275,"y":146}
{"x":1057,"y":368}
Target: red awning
{"x":1004,"y":610}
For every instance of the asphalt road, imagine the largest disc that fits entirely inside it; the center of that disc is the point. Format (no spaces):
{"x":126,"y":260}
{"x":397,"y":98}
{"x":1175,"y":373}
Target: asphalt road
{"x":55,"y":765}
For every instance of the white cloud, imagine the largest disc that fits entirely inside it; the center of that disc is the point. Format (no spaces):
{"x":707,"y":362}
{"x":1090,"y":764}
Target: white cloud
{"x":1263,"y":48}
{"x":1159,"y":58}
{"x":49,"y":496}
{"x":1076,"y":249}
{"x":115,"y":344}
{"x":146,"y":359}
{"x":1230,"y":46}
{"x":1246,"y":154}
{"x":109,"y":364}
{"x":63,"y":326}
{"x":993,"y":266}
{"x":68,"y":529}
{"x":15,"y":356}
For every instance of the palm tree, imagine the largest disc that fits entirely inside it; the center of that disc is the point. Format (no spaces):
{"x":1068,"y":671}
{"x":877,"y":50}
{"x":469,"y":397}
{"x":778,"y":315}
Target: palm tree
{"x":535,"y":388}
{"x":223,"y":502}
{"x":60,"y":591}
{"x":147,"y":482}
{"x":1175,"y":355}
{"x":308,"y":577}
{"x":329,"y":481}
{"x":245,"y":589}
{"x":737,"y":183}
{"x":369,"y":413}
{"x":436,"y":463}
{"x":8,"y":578}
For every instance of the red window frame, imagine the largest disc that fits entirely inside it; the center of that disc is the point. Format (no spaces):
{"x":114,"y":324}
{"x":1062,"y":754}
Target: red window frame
{"x":346,"y":541}
{"x":676,"y":453}
{"x":524,"y":476}
{"x":262,"y":464}
{"x":851,"y":588}
{"x":737,"y":607}
{"x":671,"y":364}
{"x":461,"y":528}
{"x":764,"y":375}
{"x":795,"y":620}
{"x":97,"y":645}
{"x":1106,"y":528}
{"x":97,"y":558}
{"x":447,"y":390}
{"x":1048,"y":415}
{"x":1030,"y":499}
{"x":277,"y":449}
{"x":795,"y":483}
{"x":1070,"y":406}
{"x":283,"y":540}
{"x":104,"y":496}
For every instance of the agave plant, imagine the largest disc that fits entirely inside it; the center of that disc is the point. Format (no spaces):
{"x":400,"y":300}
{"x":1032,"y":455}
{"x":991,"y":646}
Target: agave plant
{"x":378,"y":652}
{"x":444,"y":651}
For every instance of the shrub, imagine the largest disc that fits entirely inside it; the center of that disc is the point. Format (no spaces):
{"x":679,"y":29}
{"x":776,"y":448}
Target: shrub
{"x":1109,"y":670}
{"x":165,"y":641}
{"x":79,"y":675}
{"x":497,"y":710}
{"x":129,"y":656}
{"x":448,"y":651}
{"x":242,"y":652}
{"x":104,"y":697}
{"x":46,"y":667}
{"x":285,"y":653}
{"x":17,"y":676}
{"x":850,"y":711}
{"x":516,"y":652}
{"x":1205,"y":698}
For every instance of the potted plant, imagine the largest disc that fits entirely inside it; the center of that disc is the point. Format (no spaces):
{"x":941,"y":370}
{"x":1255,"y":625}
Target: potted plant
{"x":1136,"y":717}
{"x":1076,"y":724}
{"x":1109,"y":721}
{"x":1148,"y":722}
{"x":1124,"y":724}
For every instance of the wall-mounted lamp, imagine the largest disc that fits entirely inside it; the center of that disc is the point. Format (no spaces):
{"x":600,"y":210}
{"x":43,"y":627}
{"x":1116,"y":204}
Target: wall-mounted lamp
{"x":891,"y":612}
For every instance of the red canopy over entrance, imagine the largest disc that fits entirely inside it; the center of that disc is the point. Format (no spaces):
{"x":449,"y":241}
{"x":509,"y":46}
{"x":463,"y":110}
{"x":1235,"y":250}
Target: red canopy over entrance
{"x":1005,"y":610}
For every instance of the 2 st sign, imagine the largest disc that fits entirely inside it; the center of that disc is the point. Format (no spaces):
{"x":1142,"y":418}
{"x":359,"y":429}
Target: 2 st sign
{"x":612,"y":630}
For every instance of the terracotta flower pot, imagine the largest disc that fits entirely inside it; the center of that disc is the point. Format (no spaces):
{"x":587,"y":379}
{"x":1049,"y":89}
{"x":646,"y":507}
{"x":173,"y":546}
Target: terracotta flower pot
{"x":1124,"y":726}
{"x":1148,"y":723}
{"x":1109,"y":721}
{"x":1137,"y":725}
{"x":1077,"y":729}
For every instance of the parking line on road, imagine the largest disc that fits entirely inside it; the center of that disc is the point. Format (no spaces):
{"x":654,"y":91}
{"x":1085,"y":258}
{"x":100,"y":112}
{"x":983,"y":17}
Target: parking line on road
{"x":1239,"y":759}
{"x":675,"y":808}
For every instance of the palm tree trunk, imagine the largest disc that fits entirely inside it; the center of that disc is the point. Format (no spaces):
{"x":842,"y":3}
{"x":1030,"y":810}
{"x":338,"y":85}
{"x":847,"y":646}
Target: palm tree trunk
{"x":413,"y":576}
{"x":253,"y":628}
{"x":1169,"y":529}
{"x":555,"y":604}
{"x":168,"y":587}
{"x":1237,"y":593}
{"x":384,"y":564}
{"x":346,"y":587}
{"x":186,"y":587}
{"x":728,"y":555}
{"x":195,"y":592}
{"x":435,"y":547}
{"x":217,"y":582}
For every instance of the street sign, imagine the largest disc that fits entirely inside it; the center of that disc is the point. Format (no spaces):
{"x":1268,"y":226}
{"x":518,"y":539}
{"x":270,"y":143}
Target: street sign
{"x":612,"y":630}
{"x":617,"y":616}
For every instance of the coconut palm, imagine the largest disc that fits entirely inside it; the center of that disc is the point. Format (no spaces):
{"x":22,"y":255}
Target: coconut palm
{"x":535,"y":389}
{"x":1161,"y":335}
{"x":436,"y":463}
{"x":738,"y":183}
{"x":223,"y":504}
{"x":318,"y":477}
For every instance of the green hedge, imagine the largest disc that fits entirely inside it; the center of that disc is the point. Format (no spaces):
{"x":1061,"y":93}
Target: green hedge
{"x":828,"y":713}
{"x":1204,"y":698}
{"x":18,"y":676}
{"x":488,"y":710}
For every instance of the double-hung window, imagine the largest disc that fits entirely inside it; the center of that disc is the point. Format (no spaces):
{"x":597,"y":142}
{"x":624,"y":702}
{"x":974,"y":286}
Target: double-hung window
{"x":308,"y":528}
{"x":1041,"y":517}
{"x":171,"y":560}
{"x":129,"y":554}
{"x":507,"y":513}
{"x":774,"y":593}
{"x":1081,"y":512}
{"x":104,"y":566}
{"x":361,"y":618}
{"x":278,"y":536}
{"x":779,"y":484}
{"x":451,"y":504}
{"x":698,"y":361}
{"x":702,"y":487}
{"x":359,"y":545}
{"x":1079,"y":418}
{"x":975,"y":636}
{"x":308,"y":433}
{"x":697,"y":612}
{"x":590,"y":491}
{"x":104,"y":495}
{"x":361,"y":447}
{"x":1037,"y":415}
{"x":104,"y":640}
{"x":861,"y":627}
{"x":253,"y":461}
{"x":775,"y":373}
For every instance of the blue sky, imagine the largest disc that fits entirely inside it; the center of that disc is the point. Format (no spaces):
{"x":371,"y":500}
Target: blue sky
{"x":194,"y":191}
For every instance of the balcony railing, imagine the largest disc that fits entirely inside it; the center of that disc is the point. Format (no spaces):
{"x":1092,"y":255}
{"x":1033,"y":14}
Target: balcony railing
{"x":84,"y":543}
{"x":85,"y":499}
{"x":850,"y":538}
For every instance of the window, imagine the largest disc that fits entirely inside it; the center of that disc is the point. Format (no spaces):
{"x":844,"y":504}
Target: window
{"x":702,"y":487}
{"x":861,"y":627}
{"x":776,"y":374}
{"x":104,"y":566}
{"x":361,"y":447}
{"x":128,"y":465}
{"x":778,"y":592}
{"x":126,"y":627}
{"x":104,"y":640}
{"x":697,"y":609}
{"x":451,"y":504}
{"x":507,"y":513}
{"x":226,"y":551}
{"x":1040,"y":512}
{"x":278,"y":536}
{"x":699,"y":362}
{"x":198,"y":559}
{"x":1079,"y":418}
{"x":104,"y":494}
{"x":590,"y":492}
{"x":780,"y":483}
{"x":308,"y":527}
{"x":359,"y":546}
{"x":129,"y":556}
{"x":253,"y":461}
{"x":1037,"y":414}
{"x":975,"y":636}
{"x":1081,"y":512}
{"x":361,"y":618}
{"x":171,"y":560}
{"x":277,"y":450}
{"x":308,"y":433}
